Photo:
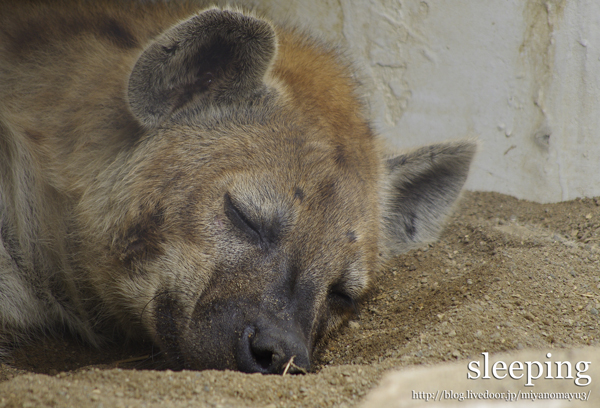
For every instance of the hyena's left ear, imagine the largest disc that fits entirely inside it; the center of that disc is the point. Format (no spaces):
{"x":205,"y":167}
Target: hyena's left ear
{"x":422,"y":187}
{"x":217,"y":56}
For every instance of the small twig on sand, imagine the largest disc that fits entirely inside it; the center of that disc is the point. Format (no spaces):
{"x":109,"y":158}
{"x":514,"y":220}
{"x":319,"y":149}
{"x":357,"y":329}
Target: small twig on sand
{"x":291,"y":364}
{"x":287,"y":366}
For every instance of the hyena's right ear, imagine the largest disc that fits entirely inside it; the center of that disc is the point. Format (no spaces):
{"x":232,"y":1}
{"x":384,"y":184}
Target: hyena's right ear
{"x":422,"y":186}
{"x":217,"y":56}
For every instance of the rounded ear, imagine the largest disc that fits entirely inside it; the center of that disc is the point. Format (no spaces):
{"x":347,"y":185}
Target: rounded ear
{"x":422,"y":188}
{"x":217,"y":56}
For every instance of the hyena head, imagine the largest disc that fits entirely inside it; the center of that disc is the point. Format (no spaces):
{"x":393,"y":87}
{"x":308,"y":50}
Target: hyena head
{"x":247,"y":219}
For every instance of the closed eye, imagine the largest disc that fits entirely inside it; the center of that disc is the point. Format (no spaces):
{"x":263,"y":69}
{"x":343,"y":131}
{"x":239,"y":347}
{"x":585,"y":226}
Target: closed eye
{"x":341,"y":301}
{"x":240,"y":219}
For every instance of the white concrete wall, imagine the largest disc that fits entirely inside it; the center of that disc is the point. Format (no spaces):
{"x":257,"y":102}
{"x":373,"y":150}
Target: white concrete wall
{"x":520,"y":75}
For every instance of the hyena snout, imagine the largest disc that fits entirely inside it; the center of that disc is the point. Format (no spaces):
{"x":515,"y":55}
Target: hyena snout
{"x":237,"y":334}
{"x":268,"y":345}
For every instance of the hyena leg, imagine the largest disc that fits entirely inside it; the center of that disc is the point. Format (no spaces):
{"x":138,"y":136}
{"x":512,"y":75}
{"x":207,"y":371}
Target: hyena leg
{"x":27,"y":303}
{"x":20,"y":309}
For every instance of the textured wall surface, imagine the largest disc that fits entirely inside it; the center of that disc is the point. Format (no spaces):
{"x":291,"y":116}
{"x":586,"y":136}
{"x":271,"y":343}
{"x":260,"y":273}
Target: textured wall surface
{"x":521,"y":76}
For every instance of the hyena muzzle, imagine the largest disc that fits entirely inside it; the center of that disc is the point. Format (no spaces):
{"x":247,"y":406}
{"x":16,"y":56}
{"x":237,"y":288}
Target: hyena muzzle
{"x":200,"y":177}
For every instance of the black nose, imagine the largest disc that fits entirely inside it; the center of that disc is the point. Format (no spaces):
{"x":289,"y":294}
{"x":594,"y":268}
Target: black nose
{"x":272,"y":348}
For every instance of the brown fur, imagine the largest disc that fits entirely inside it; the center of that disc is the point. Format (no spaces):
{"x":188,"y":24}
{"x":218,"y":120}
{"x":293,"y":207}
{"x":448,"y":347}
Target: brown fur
{"x":206,"y":179}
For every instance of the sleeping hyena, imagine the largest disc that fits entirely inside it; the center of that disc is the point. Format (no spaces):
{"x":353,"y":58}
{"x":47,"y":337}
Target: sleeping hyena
{"x":199,"y":177}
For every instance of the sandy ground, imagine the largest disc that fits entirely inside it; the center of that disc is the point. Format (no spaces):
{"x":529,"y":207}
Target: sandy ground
{"x":506,"y":275}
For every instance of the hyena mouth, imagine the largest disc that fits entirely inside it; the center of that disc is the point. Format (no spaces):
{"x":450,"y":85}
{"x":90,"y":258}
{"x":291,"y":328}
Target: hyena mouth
{"x":231,"y":335}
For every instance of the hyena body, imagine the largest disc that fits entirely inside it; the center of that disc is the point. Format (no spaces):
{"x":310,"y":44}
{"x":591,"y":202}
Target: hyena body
{"x":200,"y":177}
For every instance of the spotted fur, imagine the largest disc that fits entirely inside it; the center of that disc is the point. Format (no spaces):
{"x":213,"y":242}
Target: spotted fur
{"x":200,"y":177}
